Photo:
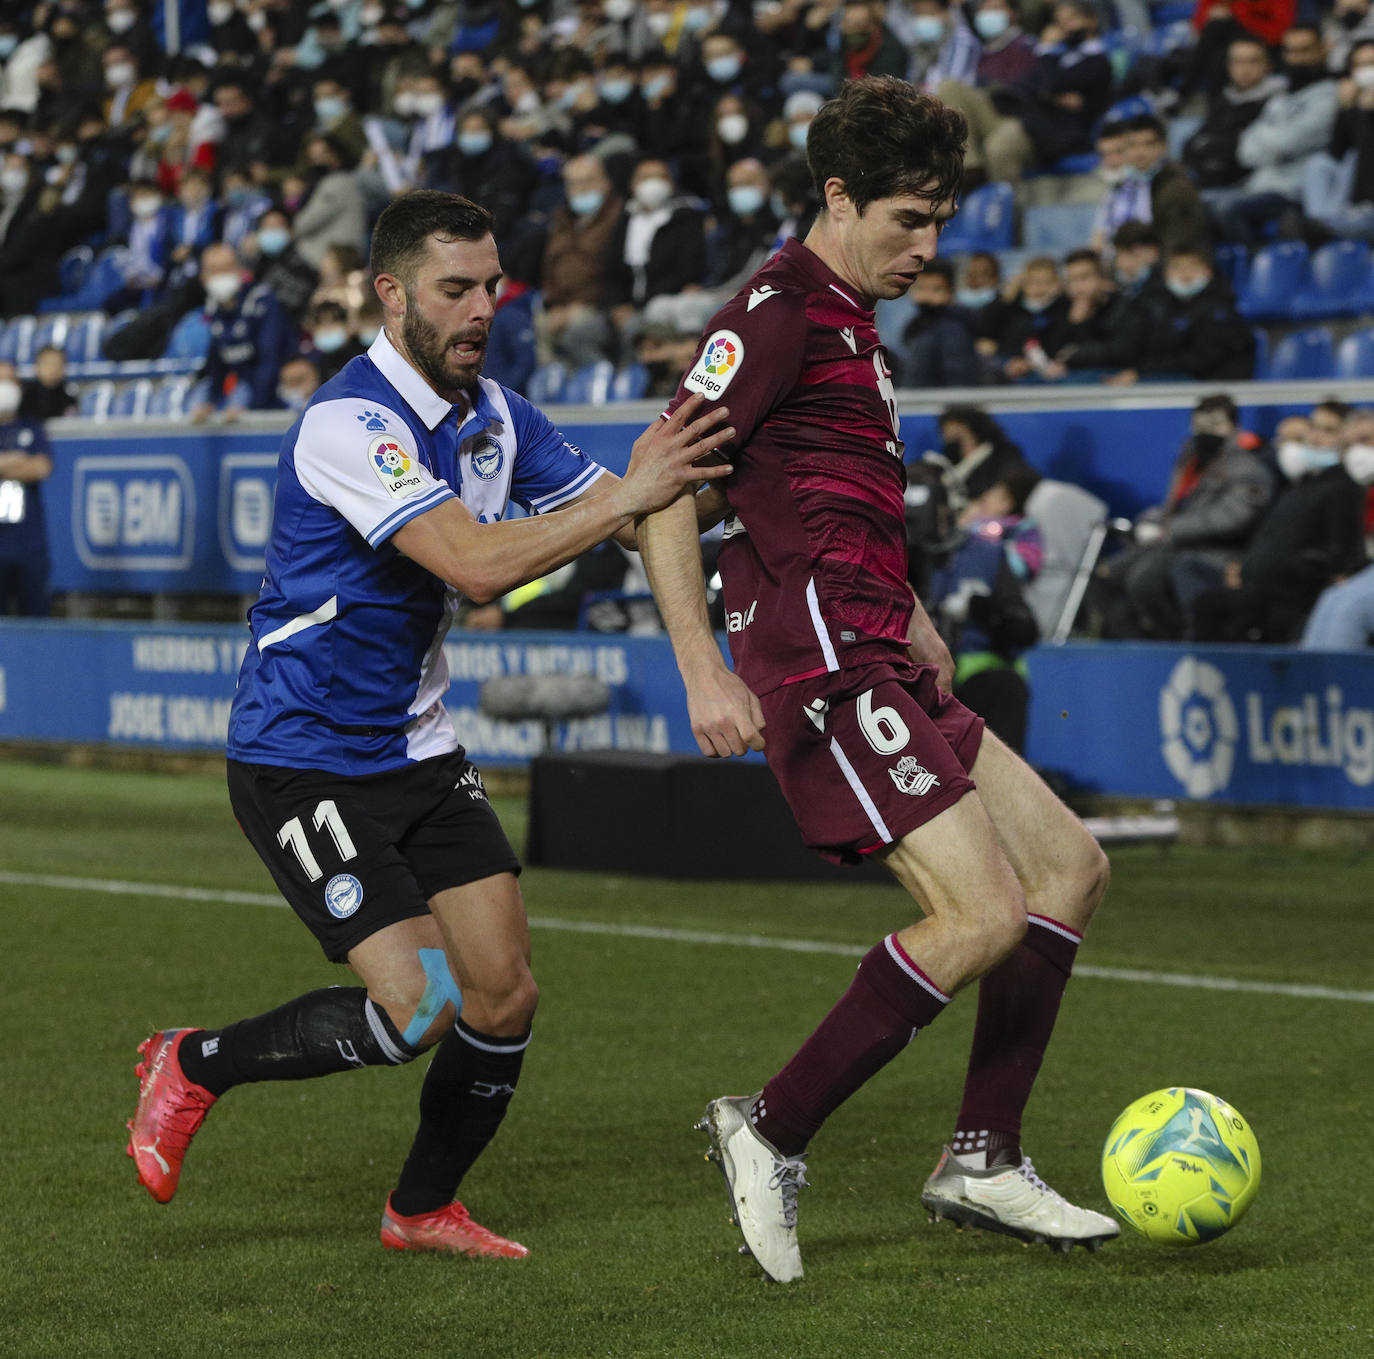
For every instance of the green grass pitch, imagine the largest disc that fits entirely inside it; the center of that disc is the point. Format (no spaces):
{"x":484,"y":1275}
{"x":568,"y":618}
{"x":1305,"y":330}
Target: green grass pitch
{"x":270,"y":1248}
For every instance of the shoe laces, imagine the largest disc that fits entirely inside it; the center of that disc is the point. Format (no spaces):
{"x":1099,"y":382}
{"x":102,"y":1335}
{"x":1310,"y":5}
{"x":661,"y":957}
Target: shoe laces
{"x":1028,"y":1173}
{"x":789,"y":1175}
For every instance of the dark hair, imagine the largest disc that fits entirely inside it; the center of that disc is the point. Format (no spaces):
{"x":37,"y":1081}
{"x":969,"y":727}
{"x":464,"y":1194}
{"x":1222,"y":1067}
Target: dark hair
{"x":407,"y":223}
{"x":984,"y":255}
{"x":328,"y":309}
{"x":1355,"y":47}
{"x":882,"y":137}
{"x":1020,"y":482}
{"x":1114,"y":127}
{"x":940,"y":268}
{"x":1131,"y":234}
{"x":977,"y":421}
{"x":1340,"y":409}
{"x":1193,"y":249}
{"x":1084,"y":255}
{"x":1219,"y":401}
{"x":1147,"y":122}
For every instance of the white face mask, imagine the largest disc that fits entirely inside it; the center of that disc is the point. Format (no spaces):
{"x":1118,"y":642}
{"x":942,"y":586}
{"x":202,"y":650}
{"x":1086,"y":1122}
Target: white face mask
{"x":1363,"y":76}
{"x":119,"y":73}
{"x":618,"y":10}
{"x":145,"y":206}
{"x":222,"y":287}
{"x":1359,"y":459}
{"x":219,"y":11}
{"x":120,"y":20}
{"x":733,"y":128}
{"x":1297,"y":460}
{"x":10,"y":392}
{"x":659,"y":22}
{"x":653,"y":193}
{"x":14,"y":179}
{"x":1112,"y":175}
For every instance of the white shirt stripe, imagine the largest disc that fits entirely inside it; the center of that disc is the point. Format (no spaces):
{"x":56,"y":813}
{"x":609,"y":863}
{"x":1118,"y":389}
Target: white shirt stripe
{"x":860,"y":792}
{"x":817,"y":622}
{"x":327,"y":611}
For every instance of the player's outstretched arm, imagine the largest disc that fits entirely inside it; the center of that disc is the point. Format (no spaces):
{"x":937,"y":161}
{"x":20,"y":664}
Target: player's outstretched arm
{"x":927,"y":647}
{"x":725,"y":714}
{"x":484,"y":561}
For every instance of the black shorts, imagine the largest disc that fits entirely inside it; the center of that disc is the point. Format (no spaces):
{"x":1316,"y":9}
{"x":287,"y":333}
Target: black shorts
{"x":355,"y":854}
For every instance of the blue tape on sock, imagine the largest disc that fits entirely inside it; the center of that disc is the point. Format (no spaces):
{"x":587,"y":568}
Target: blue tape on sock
{"x":440,"y":989}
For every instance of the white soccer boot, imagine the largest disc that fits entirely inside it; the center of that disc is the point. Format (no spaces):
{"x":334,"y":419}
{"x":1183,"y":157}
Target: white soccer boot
{"x":1013,"y":1200}
{"x":763,"y":1186}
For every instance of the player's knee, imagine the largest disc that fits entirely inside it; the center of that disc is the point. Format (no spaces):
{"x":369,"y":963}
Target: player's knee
{"x":505,"y":1006}
{"x":1084,"y":872}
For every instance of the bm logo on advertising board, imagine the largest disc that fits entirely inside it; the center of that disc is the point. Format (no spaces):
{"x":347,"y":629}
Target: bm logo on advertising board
{"x":133,"y":513}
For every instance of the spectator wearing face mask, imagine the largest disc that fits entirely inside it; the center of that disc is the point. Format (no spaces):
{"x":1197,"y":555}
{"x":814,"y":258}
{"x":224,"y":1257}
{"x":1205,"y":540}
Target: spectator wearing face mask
{"x":149,"y":245}
{"x":1191,"y":331}
{"x":243,"y":205}
{"x":280,"y":267}
{"x":193,"y":221}
{"x":1343,"y":619}
{"x":1219,"y":23}
{"x":331,"y":343}
{"x":1311,"y":538}
{"x":25,"y":463}
{"x":251,"y":336}
{"x":867,"y":46}
{"x":659,"y":243}
{"x":1039,"y":307}
{"x":1291,"y":128}
{"x":1339,"y":191}
{"x":1210,"y":153}
{"x":18,"y":191}
{"x":746,"y":230}
{"x":666,"y":130}
{"x":1218,"y":492}
{"x":231,"y":35}
{"x":128,"y":93}
{"x":617,"y":112}
{"x":487,"y":167}
{"x":576,"y":266}
{"x":936,"y":348}
{"x":332,"y":212}
{"x":728,"y":67}
{"x":945,"y":50}
{"x":736,"y":133}
{"x":1347,"y":23}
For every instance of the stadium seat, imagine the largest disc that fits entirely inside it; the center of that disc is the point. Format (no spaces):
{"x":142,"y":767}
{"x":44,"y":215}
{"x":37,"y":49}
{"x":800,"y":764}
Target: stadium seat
{"x":986,"y":221}
{"x":73,"y":267}
{"x":190,"y":338}
{"x":50,"y":332}
{"x":1261,"y":369}
{"x":1355,"y":355}
{"x":16,"y":344}
{"x":1234,"y":262}
{"x":1278,"y":276}
{"x":546,"y":383}
{"x":169,"y":398}
{"x":630,"y":383}
{"x":1073,"y":526}
{"x":1304,"y":354}
{"x":131,"y":400}
{"x":1339,"y":281}
{"x":590,"y":385}
{"x":1057,"y":228}
{"x":83,"y":339}
{"x":94,"y":398}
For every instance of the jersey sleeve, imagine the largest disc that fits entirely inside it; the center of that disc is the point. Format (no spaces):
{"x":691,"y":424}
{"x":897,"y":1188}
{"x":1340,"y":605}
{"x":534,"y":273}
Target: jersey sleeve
{"x":748,"y":359}
{"x":549,"y":471}
{"x":361,"y":460}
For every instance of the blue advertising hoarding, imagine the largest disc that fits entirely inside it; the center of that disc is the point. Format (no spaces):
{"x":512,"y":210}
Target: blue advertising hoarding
{"x":1247,"y":725}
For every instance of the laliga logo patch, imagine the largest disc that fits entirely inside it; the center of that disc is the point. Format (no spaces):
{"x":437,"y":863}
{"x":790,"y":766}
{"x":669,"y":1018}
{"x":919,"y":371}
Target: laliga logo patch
{"x":372,"y":420}
{"x":393,"y":465}
{"x":1198,"y":723}
{"x":487,"y":458}
{"x":343,"y":894}
{"x":719,"y":362}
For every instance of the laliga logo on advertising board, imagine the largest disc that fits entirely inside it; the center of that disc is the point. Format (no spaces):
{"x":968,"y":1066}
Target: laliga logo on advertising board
{"x":1197,"y":721}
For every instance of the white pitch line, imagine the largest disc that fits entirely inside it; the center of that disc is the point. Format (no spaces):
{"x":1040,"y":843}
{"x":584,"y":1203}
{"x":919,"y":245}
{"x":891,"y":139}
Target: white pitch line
{"x":667,"y":934}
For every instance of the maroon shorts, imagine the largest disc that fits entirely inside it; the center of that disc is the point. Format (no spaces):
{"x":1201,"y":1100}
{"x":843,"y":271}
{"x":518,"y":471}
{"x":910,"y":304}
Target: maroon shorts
{"x":864,"y":756}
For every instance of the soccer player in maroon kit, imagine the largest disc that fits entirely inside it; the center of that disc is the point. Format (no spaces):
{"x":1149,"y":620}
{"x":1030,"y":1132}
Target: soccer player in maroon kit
{"x":833,"y":653}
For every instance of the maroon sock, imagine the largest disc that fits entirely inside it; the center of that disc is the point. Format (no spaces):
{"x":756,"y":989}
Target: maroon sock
{"x":889,"y":999}
{"x":1018,"y":1002}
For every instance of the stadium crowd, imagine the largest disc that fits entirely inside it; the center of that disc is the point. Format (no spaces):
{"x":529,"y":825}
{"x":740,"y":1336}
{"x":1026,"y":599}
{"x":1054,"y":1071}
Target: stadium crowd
{"x":187,"y":191}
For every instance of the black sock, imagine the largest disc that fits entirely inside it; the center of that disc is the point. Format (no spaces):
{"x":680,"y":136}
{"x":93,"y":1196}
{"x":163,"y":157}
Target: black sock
{"x":337,"y":1029}
{"x":467,"y":1089}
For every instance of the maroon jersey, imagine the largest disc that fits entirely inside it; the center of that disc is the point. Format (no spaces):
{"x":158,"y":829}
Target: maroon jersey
{"x":814,"y":559}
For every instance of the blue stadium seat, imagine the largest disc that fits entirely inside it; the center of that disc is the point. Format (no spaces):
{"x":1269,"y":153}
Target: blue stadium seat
{"x":131,"y":400}
{"x":168,"y":398}
{"x":1339,"y":282}
{"x":630,"y":383}
{"x":190,"y":338}
{"x":1057,"y":228}
{"x":16,"y":345}
{"x":1303,"y":354}
{"x":83,"y":338}
{"x":893,"y":315}
{"x":1355,"y":355}
{"x":1278,"y":276}
{"x":73,"y":266}
{"x":590,"y":385}
{"x":94,"y":398}
{"x":546,"y":384}
{"x":51,"y":332}
{"x":1180,"y":130}
{"x":1234,"y":262}
{"x":986,"y":221}
{"x":1261,"y":369}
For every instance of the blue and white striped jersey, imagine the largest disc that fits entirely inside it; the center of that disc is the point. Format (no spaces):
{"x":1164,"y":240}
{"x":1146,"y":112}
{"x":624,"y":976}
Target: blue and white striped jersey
{"x":345,"y":670}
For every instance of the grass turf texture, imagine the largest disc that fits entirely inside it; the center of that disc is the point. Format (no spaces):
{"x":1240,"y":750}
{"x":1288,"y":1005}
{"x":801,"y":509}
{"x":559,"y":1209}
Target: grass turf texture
{"x":271,"y":1245}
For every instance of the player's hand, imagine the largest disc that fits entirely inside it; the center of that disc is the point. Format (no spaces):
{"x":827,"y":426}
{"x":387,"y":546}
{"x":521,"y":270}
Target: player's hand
{"x":665,"y":457}
{"x":725,"y":713}
{"x":927,"y":647}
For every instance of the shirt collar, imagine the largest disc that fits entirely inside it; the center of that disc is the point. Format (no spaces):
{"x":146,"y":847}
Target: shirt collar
{"x":822,"y":274}
{"x":432,"y":408}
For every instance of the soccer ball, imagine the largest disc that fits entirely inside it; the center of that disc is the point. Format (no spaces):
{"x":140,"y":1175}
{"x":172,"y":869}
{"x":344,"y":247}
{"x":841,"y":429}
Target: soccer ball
{"x":1180,"y":1166}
